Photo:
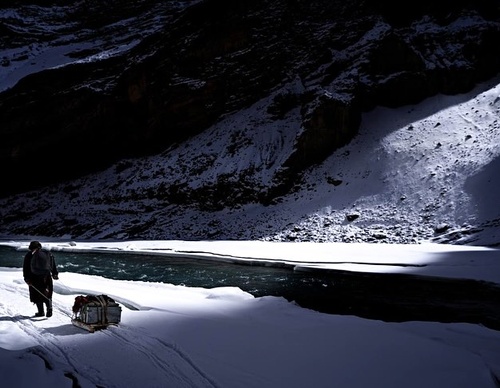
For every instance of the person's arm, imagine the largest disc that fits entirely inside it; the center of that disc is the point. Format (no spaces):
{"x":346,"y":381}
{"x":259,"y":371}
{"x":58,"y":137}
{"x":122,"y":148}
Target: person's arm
{"x":53,"y":265}
{"x":27,"y":267}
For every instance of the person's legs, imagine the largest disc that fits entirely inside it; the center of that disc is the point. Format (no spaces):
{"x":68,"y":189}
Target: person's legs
{"x":39,"y":306}
{"x":38,"y":295}
{"x":49,"y":307}
{"x":49,"y":288}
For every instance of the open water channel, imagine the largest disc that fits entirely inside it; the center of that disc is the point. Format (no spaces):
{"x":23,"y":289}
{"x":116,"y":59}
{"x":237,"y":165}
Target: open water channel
{"x":388,"y":297}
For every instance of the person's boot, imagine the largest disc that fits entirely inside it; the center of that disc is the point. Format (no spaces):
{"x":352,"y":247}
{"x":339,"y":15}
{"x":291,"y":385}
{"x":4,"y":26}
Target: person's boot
{"x":49,"y":309}
{"x":40,"y":312}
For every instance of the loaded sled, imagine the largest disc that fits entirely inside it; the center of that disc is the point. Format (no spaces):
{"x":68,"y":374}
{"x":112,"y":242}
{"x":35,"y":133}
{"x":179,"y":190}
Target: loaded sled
{"x":95,"y":312}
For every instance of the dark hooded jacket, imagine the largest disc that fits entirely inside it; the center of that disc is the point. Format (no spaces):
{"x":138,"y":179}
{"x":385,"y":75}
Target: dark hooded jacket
{"x":41,"y":285}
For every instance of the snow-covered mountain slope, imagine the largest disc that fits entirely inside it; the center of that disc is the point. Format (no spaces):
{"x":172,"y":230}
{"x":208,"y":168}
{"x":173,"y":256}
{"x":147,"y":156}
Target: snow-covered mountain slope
{"x":39,"y":35}
{"x":124,"y":79}
{"x":420,"y":172}
{"x":216,"y":119}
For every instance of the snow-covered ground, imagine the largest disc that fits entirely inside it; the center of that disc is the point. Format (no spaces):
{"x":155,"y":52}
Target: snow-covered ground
{"x":223,"y":337}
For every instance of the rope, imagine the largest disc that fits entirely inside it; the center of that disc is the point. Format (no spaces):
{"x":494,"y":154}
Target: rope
{"x":99,"y":299}
{"x":104,"y":308}
{"x":41,"y":293}
{"x":50,"y":300}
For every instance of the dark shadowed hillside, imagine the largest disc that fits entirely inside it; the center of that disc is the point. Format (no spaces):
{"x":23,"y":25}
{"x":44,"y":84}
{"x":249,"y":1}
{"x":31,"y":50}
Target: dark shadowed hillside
{"x":215,"y":119}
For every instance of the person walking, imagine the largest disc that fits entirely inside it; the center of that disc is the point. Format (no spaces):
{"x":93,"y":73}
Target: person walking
{"x":39,"y":268}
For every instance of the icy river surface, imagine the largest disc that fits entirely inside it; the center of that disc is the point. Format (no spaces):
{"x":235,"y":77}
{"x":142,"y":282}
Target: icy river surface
{"x":388,"y":297}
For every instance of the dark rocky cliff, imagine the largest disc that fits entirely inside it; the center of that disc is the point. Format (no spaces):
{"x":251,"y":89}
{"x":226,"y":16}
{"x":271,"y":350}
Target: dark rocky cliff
{"x":215,"y":57}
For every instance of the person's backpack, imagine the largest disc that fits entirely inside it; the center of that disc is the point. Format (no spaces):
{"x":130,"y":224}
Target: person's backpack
{"x":40,"y":263}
